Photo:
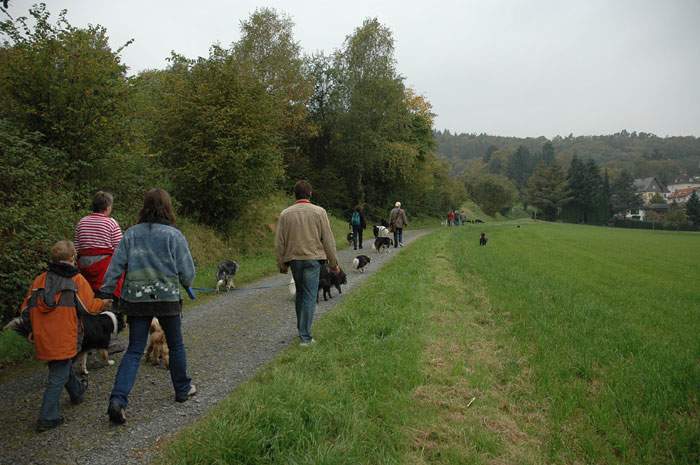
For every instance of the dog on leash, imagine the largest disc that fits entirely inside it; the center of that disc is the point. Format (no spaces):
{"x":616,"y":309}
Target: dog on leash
{"x":381,"y":231}
{"x":225,"y":274}
{"x":157,"y":351}
{"x":350,"y":239}
{"x":98,"y":331}
{"x":360,"y":262}
{"x":383,"y":243}
{"x":328,"y":278}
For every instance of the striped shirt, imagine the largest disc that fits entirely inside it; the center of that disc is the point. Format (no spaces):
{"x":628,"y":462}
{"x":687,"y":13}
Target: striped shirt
{"x":97,"y":231}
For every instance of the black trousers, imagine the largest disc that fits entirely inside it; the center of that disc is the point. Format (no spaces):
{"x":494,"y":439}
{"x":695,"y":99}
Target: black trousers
{"x":356,"y":237}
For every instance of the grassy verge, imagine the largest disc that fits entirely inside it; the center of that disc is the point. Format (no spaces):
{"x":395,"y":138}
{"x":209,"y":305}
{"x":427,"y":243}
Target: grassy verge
{"x":14,"y":348}
{"x":389,"y":382}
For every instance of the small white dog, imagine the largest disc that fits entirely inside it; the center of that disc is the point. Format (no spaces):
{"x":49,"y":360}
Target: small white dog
{"x":292,"y":287}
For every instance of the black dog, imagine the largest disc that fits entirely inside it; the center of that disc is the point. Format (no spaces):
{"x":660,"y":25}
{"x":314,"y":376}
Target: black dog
{"x":360,"y":262}
{"x":98,"y":331}
{"x":328,"y":278}
{"x":383,"y":242}
{"x":483,"y":240}
{"x":225,"y":274}
{"x":350,"y":238}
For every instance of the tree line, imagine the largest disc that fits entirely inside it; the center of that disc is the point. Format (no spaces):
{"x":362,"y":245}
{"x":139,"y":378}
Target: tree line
{"x":218,"y":131}
{"x":641,"y":154}
{"x":583,"y":192}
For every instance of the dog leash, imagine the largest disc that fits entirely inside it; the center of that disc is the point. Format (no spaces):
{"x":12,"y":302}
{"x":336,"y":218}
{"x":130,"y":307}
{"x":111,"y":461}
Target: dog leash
{"x":213,"y":289}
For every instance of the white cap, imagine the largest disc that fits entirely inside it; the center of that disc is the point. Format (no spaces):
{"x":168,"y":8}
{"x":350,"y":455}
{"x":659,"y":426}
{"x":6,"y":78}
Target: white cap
{"x":397,"y":204}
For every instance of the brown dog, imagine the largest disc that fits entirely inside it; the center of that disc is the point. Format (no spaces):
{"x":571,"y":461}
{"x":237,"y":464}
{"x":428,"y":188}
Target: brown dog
{"x":157,"y":352}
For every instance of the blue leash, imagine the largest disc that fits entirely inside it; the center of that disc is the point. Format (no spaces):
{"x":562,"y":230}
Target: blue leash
{"x":190,"y":290}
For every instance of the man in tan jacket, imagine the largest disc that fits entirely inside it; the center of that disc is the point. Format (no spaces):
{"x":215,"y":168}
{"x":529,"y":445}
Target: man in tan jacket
{"x":303,"y":241}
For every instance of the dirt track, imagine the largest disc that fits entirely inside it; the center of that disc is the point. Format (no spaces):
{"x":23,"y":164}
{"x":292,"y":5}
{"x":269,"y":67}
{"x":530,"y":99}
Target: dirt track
{"x":228,"y":339}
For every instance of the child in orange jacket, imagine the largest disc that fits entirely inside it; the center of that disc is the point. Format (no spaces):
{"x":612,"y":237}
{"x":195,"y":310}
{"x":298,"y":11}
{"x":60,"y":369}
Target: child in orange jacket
{"x":51,"y":308}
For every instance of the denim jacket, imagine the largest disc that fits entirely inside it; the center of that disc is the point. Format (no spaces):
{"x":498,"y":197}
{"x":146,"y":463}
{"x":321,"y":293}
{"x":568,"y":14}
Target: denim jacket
{"x":156,"y":259}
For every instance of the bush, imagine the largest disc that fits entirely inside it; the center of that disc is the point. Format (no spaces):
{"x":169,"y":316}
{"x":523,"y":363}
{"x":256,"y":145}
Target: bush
{"x":35,"y":211}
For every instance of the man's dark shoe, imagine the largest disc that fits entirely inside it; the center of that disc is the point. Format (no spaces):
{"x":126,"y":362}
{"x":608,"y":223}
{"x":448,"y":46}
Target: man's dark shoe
{"x":190,"y":393}
{"x":81,"y":397}
{"x":116,"y":413}
{"x":45,"y":425}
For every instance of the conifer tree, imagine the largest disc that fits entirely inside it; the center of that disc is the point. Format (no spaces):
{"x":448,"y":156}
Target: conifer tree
{"x":692,"y":209}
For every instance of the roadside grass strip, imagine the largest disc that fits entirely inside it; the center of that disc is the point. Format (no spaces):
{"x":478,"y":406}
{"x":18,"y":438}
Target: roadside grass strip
{"x":345,"y":399}
{"x":609,"y":321}
{"x":391,"y":380}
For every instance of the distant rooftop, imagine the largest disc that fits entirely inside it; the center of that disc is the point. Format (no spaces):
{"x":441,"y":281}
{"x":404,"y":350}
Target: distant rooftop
{"x":648,"y":185}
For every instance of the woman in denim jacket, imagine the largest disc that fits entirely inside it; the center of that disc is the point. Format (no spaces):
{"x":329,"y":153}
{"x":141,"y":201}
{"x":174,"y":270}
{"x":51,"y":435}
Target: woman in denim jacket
{"x":157,"y":260}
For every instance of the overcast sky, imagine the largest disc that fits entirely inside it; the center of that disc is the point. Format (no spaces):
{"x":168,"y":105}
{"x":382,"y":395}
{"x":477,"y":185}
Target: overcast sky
{"x":508,"y":67}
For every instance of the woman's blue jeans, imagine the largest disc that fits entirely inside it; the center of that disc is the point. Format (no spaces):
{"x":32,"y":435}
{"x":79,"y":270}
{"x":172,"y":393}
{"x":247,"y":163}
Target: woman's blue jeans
{"x":138,"y":337}
{"x":305,"y":273}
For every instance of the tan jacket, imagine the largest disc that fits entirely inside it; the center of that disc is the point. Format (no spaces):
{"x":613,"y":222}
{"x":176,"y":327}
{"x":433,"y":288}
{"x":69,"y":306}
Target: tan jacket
{"x":304,"y":233}
{"x":397,"y":218}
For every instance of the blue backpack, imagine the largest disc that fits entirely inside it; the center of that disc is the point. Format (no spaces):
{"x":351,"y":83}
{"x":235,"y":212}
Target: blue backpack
{"x":355,"y":221}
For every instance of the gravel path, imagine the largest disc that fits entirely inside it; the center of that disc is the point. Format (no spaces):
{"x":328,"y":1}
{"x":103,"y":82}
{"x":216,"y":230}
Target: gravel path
{"x":228,"y":339}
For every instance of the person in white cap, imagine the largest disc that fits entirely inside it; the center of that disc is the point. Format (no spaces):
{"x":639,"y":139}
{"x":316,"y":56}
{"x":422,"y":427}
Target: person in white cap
{"x":397,"y":221}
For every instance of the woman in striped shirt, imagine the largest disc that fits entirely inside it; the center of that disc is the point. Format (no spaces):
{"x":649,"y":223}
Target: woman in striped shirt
{"x":97,"y":236}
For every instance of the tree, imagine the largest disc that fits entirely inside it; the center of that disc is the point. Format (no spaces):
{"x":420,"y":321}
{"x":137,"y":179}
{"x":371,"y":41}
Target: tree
{"x":66,"y":83}
{"x":548,"y":190}
{"x":623,"y":194}
{"x":548,"y":153}
{"x":492,"y":193}
{"x":220,"y":136}
{"x":692,"y":209}
{"x":588,"y":203}
{"x":676,"y":217}
{"x":519,"y":166}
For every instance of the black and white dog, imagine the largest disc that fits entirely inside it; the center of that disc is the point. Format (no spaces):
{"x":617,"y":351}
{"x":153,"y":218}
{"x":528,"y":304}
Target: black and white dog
{"x":98,"y":331}
{"x":384,"y":243}
{"x":225,"y":274}
{"x":360,"y":262}
{"x":350,"y":238}
{"x":380,"y":230}
{"x":327,"y":278}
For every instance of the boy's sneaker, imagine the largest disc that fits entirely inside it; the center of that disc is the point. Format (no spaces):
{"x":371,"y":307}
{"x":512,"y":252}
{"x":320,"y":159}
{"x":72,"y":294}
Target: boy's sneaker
{"x":307,"y":343}
{"x":116,"y":413}
{"x":45,"y":425}
{"x":190,"y":393}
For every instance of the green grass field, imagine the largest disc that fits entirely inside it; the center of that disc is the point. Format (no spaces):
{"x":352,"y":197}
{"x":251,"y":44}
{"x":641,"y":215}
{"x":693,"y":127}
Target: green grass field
{"x":553,"y":344}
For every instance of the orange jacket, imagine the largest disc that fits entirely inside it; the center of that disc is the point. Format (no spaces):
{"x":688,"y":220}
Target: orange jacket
{"x":56,"y":329}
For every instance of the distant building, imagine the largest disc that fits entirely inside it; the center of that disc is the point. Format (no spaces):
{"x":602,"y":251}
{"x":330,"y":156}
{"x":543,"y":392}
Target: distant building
{"x":683,"y":185}
{"x":642,"y":213}
{"x":682,"y":195}
{"x":647,"y":187}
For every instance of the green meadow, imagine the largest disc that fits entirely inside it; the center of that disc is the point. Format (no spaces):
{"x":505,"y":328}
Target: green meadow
{"x":554,"y":344}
